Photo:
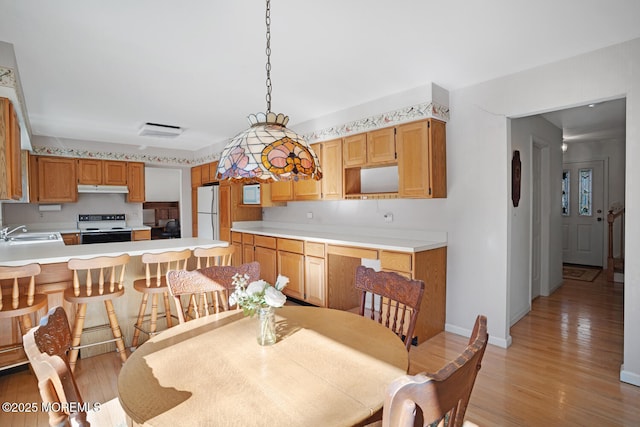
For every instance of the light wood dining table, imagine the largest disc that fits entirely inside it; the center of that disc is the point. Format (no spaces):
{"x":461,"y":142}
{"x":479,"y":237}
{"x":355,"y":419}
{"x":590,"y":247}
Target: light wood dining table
{"x":327,"y":368}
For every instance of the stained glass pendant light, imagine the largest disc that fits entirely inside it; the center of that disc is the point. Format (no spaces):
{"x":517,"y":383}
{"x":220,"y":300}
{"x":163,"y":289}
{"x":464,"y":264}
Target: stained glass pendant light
{"x":268,"y":151}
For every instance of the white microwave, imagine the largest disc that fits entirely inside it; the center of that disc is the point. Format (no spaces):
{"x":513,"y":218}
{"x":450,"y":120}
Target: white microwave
{"x":251,"y":194}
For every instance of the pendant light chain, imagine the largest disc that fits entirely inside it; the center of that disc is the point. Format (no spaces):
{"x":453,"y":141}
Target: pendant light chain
{"x":268,"y":51}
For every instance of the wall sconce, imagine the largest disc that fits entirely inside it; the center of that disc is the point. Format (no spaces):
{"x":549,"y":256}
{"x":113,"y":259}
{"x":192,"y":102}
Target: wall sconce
{"x":564,"y":147}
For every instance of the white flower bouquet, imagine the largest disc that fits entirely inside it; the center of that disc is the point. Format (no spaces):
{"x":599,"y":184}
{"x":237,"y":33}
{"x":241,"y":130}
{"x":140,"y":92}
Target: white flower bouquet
{"x":259,"y":294}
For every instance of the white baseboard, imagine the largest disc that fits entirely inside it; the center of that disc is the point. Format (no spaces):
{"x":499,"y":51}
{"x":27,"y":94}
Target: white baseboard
{"x":629,"y":377}
{"x":499,"y":342}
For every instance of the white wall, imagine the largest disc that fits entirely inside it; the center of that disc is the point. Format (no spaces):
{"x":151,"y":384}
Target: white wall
{"x":476,"y":212}
{"x":162,"y":184}
{"x":524,"y":133}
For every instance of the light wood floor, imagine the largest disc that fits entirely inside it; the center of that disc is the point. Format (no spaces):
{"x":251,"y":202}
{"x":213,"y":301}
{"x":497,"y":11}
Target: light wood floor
{"x":562,"y":368}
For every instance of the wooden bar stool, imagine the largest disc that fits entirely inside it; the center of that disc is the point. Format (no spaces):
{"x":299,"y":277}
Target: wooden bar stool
{"x":213,"y":256}
{"x":21,"y":303}
{"x":154,"y":284}
{"x":96,"y":287}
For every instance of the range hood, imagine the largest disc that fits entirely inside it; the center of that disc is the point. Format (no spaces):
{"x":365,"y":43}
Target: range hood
{"x":102,"y":189}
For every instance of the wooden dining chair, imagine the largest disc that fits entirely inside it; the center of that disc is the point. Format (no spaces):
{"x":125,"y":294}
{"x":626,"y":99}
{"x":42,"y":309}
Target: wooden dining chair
{"x":390,"y":299}
{"x":154,"y":283}
{"x":197,"y":286}
{"x":210,"y":257}
{"x":46,"y":347}
{"x":103,"y":282}
{"x":438,"y":399}
{"x":18,"y":300}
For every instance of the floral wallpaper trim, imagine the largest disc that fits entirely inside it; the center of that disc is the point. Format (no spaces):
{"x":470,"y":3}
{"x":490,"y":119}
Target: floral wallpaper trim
{"x":130,"y":157}
{"x":7,"y":77}
{"x":406,"y":114}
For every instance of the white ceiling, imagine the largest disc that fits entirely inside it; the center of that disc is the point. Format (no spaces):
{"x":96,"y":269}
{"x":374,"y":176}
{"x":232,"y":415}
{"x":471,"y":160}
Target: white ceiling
{"x":95,"y":70}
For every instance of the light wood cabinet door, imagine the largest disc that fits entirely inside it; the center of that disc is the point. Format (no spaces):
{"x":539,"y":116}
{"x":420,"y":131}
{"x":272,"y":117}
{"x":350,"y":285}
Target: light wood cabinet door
{"x":204,"y":173}
{"x":90,"y":171}
{"x":196,"y":176}
{"x":314,"y":281}
{"x":10,"y":156}
{"x":266,"y":257}
{"x":381,"y":146}
{"x":422,"y":159}
{"x":115,"y":172}
{"x":213,"y":169}
{"x":135,"y":179}
{"x":141,"y":235}
{"x":224,"y":211}
{"x":247,"y":253}
{"x":354,"y":150}
{"x":238,"y":257}
{"x":309,"y":189}
{"x":291,"y":265}
{"x":57,"y":181}
{"x":331,"y":163}
{"x":281,"y":191}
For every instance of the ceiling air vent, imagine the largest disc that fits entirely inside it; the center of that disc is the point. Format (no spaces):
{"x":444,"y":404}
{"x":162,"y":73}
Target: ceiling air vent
{"x":158,"y":130}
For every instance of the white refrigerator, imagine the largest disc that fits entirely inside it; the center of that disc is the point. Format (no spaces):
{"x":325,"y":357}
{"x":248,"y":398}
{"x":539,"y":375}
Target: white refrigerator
{"x":208,"y":225}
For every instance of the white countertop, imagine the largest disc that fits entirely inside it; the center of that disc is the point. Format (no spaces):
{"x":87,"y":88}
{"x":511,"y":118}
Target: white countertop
{"x":48,"y":253}
{"x":401,"y":240}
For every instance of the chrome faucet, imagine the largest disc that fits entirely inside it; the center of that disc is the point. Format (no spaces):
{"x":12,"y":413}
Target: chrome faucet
{"x":5,"y":232}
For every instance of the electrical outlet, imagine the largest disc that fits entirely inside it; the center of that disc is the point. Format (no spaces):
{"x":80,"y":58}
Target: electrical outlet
{"x":388,"y":217}
{"x":309,"y":215}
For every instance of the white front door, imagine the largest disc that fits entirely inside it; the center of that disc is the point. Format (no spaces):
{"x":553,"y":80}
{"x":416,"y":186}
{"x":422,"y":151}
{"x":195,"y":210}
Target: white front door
{"x":583,"y":224}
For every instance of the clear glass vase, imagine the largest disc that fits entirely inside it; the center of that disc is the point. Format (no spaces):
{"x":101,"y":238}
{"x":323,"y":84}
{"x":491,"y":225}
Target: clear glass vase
{"x":266,"y":326}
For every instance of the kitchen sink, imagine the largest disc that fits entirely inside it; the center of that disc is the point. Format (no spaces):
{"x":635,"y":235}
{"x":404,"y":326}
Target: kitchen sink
{"x":34,"y":238}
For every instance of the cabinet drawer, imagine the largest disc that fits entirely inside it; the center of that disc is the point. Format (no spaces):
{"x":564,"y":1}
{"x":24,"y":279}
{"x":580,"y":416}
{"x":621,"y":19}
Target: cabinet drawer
{"x":296,"y":246}
{"x":265,"y":241}
{"x":314,"y":249}
{"x":236,"y":237}
{"x":352,"y":252}
{"x":398,"y":261}
{"x":247,"y":239}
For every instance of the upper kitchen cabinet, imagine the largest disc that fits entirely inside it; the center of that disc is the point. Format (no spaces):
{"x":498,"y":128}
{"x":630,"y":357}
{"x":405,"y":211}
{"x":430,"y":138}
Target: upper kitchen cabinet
{"x":204,"y":174}
{"x":373,"y":148}
{"x":309,"y":189}
{"x":53,"y":180}
{"x":331,"y":164}
{"x":102,"y":172}
{"x":10,"y":156}
{"x":135,"y":182}
{"x":422,"y":159}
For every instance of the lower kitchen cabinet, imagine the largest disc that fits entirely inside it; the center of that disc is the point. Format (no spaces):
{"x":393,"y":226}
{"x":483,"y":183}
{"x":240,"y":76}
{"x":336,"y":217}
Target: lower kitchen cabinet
{"x":247,"y":248}
{"x":314,"y":281}
{"x":265,"y":254}
{"x":291,"y":264}
{"x":140,"y":235}
{"x":236,"y":241}
{"x":324,"y":274}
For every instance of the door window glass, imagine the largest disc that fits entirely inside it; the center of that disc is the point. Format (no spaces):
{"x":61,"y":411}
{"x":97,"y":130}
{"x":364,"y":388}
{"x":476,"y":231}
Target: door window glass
{"x":585,"y":199}
{"x":565,"y":192}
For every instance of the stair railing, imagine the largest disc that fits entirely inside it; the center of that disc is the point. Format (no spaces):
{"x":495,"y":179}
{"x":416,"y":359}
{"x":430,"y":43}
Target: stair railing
{"x":612,"y":261}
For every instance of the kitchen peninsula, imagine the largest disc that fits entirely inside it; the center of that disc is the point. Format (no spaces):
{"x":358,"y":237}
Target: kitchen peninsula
{"x":320,"y":262}
{"x":56,"y":277}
